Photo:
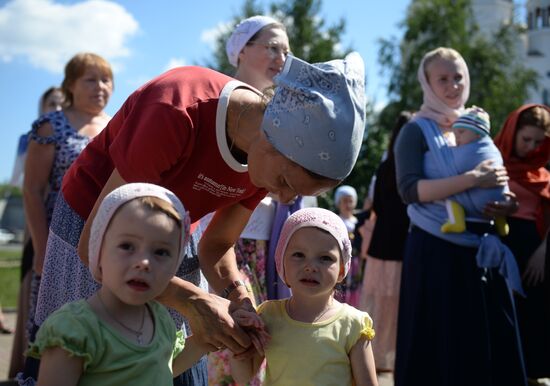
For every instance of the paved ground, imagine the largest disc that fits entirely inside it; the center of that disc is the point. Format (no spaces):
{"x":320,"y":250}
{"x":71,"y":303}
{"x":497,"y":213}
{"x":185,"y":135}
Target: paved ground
{"x":6,"y":342}
{"x":5,"y":346}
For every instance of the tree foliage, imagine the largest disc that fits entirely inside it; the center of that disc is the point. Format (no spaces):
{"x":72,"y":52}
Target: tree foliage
{"x":7,"y":190}
{"x":310,"y":39}
{"x":499,"y":81}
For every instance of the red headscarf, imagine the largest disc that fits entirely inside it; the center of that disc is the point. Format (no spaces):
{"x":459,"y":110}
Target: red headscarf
{"x":530,"y":171}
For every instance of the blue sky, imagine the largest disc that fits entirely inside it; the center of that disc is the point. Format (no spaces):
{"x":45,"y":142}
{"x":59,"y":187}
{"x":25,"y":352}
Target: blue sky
{"x":141,"y":38}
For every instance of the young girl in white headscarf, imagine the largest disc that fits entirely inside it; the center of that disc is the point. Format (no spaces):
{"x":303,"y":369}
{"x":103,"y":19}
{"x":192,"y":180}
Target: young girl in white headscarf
{"x":315,"y":340}
{"x":121,"y":335}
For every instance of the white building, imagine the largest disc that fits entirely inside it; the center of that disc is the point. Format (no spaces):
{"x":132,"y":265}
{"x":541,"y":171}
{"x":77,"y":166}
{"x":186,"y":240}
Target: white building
{"x":534,"y":46}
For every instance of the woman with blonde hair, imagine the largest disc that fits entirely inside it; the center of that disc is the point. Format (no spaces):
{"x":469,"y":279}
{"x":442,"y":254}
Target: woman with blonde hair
{"x":456,"y":322}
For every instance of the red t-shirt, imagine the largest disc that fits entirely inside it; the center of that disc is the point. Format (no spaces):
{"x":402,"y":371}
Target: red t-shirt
{"x":170,"y":132}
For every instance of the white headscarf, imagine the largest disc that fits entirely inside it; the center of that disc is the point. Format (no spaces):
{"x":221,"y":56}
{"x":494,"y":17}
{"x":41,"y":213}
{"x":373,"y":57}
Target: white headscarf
{"x":242,"y":34}
{"x":115,"y":200}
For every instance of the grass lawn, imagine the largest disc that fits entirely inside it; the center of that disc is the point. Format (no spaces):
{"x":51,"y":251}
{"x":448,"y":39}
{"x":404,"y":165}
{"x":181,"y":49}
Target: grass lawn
{"x":10,"y":254}
{"x":9,"y":276}
{"x":9,"y":284}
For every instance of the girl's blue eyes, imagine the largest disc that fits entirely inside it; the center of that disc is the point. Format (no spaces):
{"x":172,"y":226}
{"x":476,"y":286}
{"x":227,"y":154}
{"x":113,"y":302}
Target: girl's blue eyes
{"x":125,"y":246}
{"x":162,"y":252}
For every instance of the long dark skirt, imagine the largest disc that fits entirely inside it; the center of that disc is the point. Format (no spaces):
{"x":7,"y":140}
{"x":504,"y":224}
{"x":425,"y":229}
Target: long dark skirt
{"x":533,"y":310}
{"x":456,"y":323}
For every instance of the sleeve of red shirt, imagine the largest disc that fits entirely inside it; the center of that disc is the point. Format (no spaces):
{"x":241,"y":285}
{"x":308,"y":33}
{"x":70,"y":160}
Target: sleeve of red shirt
{"x":152,"y":138}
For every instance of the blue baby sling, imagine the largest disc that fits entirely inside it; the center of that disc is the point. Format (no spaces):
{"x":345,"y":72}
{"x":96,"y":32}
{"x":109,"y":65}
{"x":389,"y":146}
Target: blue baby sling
{"x":440,"y":161}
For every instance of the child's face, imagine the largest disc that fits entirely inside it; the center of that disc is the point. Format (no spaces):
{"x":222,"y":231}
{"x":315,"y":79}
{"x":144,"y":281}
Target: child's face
{"x":139,"y":253}
{"x":446,"y":80}
{"x":464,"y":136}
{"x":346,"y":205}
{"x":312,"y":262}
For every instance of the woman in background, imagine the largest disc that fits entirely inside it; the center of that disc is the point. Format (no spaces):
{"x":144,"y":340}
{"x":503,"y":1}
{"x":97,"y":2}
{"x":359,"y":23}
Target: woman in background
{"x":56,"y":140}
{"x":51,"y":100}
{"x":382,"y":278}
{"x":524,"y":142}
{"x":455,"y":308}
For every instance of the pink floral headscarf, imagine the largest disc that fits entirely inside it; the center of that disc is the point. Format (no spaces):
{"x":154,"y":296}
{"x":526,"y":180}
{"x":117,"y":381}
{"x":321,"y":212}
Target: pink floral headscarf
{"x":317,"y":218}
{"x":433,"y":107}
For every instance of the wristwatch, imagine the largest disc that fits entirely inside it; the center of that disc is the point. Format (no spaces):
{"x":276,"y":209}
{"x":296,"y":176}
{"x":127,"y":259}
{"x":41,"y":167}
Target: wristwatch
{"x":231,"y":287}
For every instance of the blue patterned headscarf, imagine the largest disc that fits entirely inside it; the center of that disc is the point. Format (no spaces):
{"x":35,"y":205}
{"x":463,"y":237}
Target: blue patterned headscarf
{"x":317,"y":115}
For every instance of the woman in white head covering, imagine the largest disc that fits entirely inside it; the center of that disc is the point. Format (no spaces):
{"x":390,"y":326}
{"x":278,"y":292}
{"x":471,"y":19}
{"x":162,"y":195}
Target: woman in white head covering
{"x":450,"y":280}
{"x":258,"y":48}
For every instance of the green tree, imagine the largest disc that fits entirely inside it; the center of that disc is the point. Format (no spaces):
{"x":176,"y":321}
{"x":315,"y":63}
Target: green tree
{"x":7,"y":190}
{"x":499,"y":82}
{"x":314,"y":41}
{"x":310,"y":38}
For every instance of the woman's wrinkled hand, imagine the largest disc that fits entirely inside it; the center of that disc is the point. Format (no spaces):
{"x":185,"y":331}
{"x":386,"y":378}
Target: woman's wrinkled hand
{"x":488,"y":175}
{"x":212,"y":323}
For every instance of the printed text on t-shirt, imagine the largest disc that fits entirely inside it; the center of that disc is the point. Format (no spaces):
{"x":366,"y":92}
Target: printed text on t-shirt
{"x":215,"y":188}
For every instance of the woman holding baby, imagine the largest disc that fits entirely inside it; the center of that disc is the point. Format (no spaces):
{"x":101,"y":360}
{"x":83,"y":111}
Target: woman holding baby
{"x":457,"y":321}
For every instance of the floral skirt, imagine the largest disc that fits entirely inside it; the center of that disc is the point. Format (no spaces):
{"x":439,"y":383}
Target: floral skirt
{"x":251,"y":260}
{"x":349,"y":290}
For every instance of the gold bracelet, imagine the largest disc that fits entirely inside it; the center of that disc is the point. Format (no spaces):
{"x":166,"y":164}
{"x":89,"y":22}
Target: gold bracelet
{"x":233,"y":286}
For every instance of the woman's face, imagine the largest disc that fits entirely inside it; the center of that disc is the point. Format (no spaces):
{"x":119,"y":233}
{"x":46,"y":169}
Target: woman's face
{"x":91,"y":92}
{"x":271,"y":170}
{"x":54,"y":102}
{"x":446,"y":80}
{"x":528,"y":138}
{"x":263,"y":58}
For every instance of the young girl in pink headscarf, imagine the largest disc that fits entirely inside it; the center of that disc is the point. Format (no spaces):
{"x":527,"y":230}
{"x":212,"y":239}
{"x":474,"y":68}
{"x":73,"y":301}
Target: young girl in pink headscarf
{"x":315,"y":340}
